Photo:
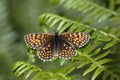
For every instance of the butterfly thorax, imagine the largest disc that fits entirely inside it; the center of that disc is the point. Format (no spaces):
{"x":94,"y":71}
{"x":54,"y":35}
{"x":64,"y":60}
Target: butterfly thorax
{"x":56,"y":44}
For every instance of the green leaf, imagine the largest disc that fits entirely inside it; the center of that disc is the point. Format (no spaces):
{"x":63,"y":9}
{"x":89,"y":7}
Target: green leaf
{"x":96,"y":52}
{"x":73,"y":27}
{"x":110,"y":44}
{"x":62,"y":61}
{"x":97,"y":72}
{"x":102,"y":55}
{"x":67,"y":25}
{"x":61,"y":25}
{"x":83,"y":64}
{"x":80,"y":28}
{"x":95,"y":65}
{"x":23,"y":70}
{"x":103,"y":61}
{"x":20,"y":67}
{"x":90,"y":69}
{"x":31,"y":72}
{"x":95,"y":34}
{"x":105,"y":75}
{"x":38,"y":75}
{"x":95,"y":11}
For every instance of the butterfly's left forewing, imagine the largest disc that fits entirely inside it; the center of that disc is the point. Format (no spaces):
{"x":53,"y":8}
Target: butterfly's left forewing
{"x":35,"y":40}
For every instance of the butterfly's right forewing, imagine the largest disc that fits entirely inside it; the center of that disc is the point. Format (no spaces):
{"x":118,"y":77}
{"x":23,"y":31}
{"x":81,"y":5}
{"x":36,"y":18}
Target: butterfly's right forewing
{"x":78,"y":39}
{"x":36,"y":40}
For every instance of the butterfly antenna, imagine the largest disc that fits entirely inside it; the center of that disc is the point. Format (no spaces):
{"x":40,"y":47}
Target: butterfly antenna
{"x":56,"y":32}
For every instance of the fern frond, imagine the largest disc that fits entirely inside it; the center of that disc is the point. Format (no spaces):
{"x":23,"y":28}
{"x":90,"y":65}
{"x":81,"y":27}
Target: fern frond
{"x":24,"y":71}
{"x":92,"y":54}
{"x":93,"y":10}
{"x":62,"y":24}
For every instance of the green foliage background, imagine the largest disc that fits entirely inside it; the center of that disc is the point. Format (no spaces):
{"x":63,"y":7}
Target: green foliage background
{"x":98,"y":60}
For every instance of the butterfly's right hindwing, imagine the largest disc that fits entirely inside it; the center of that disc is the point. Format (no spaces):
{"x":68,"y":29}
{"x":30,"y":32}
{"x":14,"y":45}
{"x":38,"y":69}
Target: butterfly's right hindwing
{"x":66,"y":50}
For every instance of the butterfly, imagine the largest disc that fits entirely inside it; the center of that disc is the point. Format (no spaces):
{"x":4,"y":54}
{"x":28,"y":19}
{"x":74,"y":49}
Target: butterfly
{"x":50,"y":45}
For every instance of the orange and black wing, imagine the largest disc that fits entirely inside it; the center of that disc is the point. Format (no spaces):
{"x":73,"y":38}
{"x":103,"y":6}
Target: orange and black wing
{"x":66,"y":50}
{"x":46,"y":52}
{"x":36,"y":40}
{"x":78,"y":39}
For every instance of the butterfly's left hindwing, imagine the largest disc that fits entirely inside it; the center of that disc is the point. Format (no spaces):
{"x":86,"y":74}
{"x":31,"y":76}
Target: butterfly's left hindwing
{"x":46,"y":52}
{"x":36,"y":40}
